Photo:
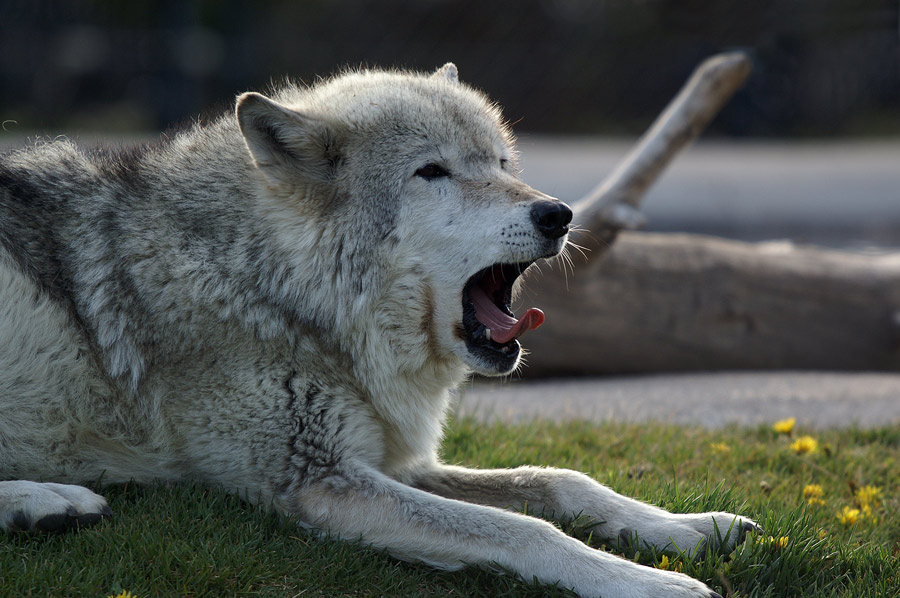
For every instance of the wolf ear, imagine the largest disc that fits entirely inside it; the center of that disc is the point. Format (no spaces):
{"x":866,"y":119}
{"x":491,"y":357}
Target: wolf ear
{"x":448,"y":72}
{"x":285,"y":144}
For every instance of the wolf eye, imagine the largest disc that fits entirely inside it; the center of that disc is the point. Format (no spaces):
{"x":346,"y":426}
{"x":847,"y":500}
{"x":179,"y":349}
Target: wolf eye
{"x":432,"y":171}
{"x":503,"y":163}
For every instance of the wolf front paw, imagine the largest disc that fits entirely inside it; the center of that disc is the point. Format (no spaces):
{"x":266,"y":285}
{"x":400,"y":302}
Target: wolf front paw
{"x":719,"y":531}
{"x":48,"y":507}
{"x":695,"y":534}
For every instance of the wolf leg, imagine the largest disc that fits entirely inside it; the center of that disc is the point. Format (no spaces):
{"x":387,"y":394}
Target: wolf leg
{"x":366,"y":505}
{"x":563,"y":494}
{"x":48,"y":507}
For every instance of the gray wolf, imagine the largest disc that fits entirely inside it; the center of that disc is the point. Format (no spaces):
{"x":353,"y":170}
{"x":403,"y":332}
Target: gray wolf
{"x":277,"y":302}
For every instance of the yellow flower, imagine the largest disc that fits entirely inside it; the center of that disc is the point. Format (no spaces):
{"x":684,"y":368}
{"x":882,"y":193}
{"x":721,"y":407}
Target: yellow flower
{"x":785,"y":426}
{"x":813,"y":491}
{"x":813,"y":494}
{"x":848,"y":516}
{"x":779,"y":542}
{"x":123,"y":594}
{"x":804,"y":444}
{"x":665,"y":564}
{"x":868,"y":496}
{"x":720,"y":448}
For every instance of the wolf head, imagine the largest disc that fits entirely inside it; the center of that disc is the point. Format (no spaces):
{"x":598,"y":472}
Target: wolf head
{"x":403,"y":191}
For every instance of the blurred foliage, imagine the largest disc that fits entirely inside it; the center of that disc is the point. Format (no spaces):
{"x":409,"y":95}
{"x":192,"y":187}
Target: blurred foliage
{"x":823,"y":67}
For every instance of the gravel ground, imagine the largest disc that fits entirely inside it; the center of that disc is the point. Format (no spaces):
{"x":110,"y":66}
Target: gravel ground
{"x":816,"y":399}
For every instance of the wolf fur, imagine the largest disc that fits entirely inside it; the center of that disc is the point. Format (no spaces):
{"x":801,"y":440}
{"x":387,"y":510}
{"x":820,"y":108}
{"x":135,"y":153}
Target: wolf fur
{"x":275,"y":303}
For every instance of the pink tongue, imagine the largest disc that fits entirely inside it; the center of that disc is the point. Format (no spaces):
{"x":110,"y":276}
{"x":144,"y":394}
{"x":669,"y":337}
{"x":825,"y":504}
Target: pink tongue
{"x":503,"y":328}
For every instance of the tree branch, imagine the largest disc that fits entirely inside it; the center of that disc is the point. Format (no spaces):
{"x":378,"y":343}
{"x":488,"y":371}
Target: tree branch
{"x":613,"y":205}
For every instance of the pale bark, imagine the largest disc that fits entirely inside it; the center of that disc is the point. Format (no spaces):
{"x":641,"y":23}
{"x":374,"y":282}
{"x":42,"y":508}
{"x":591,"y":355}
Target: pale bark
{"x":666,"y":302}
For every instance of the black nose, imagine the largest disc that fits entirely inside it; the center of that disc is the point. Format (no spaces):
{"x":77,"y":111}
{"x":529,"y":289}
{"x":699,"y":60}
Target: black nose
{"x":552,"y":218}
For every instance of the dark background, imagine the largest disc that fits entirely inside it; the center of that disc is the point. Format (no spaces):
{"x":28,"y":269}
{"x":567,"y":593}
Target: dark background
{"x":588,"y":67}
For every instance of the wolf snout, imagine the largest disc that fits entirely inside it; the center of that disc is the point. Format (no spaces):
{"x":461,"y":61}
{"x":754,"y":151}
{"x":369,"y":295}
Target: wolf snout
{"x":551,"y":218}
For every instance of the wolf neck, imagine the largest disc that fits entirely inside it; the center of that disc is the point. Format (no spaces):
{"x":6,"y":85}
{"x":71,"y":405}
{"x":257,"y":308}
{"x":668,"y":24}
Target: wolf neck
{"x":412,"y":405}
{"x":406,"y":380}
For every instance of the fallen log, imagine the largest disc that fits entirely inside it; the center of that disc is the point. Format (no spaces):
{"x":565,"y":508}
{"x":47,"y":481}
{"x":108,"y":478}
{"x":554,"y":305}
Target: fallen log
{"x":669,"y":302}
{"x":651,"y":302}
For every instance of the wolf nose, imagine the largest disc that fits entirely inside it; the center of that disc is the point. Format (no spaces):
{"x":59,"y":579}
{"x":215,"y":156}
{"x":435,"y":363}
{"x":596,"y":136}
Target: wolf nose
{"x":552,"y":218}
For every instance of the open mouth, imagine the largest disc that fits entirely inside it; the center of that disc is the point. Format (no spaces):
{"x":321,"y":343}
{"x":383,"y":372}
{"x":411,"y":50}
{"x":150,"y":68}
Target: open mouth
{"x":491,"y":328}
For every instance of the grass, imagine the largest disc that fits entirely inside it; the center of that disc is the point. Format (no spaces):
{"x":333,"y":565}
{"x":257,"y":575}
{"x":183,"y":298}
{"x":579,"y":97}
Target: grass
{"x":184,"y":540}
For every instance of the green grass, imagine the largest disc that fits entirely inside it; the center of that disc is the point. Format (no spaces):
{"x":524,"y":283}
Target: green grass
{"x":187,"y":541}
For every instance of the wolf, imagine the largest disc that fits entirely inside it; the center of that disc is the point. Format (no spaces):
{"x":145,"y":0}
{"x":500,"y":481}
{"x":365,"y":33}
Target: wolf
{"x":277,"y":302}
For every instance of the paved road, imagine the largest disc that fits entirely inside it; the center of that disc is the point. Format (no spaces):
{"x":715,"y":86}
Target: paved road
{"x":834,"y":193}
{"x":816,"y":399}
